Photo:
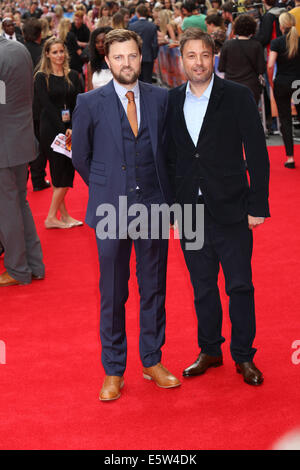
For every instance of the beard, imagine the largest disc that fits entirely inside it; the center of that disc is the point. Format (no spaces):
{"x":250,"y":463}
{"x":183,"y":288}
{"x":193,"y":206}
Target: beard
{"x":126,"y":78}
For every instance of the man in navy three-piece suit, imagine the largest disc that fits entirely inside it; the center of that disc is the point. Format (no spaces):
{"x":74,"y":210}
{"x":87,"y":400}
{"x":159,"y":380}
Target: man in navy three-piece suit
{"x":118,"y":135}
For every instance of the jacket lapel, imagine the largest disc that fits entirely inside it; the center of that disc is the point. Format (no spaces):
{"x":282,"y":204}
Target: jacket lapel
{"x":214,"y":100}
{"x":181,"y":119}
{"x":111,"y":112}
{"x":150,"y":108}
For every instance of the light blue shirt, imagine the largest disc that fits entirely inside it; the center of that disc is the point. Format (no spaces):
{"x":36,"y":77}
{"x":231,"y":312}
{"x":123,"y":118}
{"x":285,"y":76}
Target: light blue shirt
{"x":121,"y":92}
{"x":194,"y":110}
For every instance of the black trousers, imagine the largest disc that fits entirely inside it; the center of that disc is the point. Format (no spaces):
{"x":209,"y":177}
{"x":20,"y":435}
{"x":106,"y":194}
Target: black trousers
{"x":283,"y":95}
{"x":230,"y":246}
{"x":38,"y":166}
{"x":146,"y":72}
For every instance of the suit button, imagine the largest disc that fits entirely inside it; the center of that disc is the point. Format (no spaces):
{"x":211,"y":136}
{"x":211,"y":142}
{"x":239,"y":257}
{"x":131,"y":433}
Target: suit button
{"x":123,"y":167}
{"x":197,"y":155}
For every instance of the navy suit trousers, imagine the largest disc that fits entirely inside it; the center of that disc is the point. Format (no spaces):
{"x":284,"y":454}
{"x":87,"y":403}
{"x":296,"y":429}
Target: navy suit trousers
{"x":151,"y":263}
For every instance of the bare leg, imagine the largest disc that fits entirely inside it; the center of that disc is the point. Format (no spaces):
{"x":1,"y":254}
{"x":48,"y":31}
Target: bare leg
{"x":57,"y":198}
{"x":65,"y":216}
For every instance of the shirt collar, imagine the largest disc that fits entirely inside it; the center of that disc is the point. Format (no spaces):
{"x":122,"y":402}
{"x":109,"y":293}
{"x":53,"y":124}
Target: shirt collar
{"x":206,"y":93}
{"x":121,"y":91}
{"x":7,"y":36}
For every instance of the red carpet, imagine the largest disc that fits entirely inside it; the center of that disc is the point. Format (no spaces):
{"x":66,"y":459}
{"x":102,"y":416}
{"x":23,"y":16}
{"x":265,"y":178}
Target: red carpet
{"x":49,"y":385}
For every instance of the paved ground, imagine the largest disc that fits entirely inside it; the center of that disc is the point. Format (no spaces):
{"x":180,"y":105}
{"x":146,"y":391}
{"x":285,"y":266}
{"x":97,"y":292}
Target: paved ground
{"x":273,"y":140}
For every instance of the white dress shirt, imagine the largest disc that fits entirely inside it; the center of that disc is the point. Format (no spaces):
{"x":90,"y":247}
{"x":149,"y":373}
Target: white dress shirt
{"x":11,"y":38}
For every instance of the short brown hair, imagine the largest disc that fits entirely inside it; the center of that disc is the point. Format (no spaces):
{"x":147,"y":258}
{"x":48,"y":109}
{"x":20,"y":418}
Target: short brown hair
{"x":121,"y":35}
{"x":142,"y":10}
{"x":191,"y":34}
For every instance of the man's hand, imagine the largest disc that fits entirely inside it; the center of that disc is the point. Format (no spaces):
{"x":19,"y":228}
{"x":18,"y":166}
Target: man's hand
{"x":253,"y":222}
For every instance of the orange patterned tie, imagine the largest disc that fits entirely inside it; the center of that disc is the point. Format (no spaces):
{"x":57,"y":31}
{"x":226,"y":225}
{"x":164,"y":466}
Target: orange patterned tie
{"x":131,"y":112}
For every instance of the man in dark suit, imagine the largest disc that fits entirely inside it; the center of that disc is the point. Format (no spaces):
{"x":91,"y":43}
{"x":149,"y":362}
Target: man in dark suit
{"x":117,"y":141}
{"x":210,"y":122}
{"x":33,"y":38}
{"x":9,"y":31}
{"x":33,"y":12}
{"x":32,"y":31}
{"x":148,"y":33}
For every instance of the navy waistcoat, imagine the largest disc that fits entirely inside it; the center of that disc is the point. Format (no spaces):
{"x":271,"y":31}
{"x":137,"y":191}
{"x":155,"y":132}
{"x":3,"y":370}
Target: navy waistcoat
{"x":142,"y":183}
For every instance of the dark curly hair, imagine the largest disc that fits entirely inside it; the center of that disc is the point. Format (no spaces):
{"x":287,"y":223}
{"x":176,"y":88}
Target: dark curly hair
{"x":97,"y":59}
{"x":244,"y":25}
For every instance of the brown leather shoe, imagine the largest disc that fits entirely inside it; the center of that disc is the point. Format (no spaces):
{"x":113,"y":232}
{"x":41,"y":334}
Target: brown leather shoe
{"x":250,"y":372}
{"x":161,"y":376}
{"x":202,"y":363}
{"x":111,"y":389}
{"x":7,"y":280}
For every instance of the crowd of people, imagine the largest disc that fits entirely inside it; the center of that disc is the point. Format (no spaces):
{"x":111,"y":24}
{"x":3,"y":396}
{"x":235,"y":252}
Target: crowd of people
{"x":242,"y":31}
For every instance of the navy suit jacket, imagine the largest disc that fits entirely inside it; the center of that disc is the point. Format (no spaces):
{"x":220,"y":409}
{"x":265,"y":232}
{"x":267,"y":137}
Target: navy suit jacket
{"x":97,"y":144}
{"x":148,"y":33}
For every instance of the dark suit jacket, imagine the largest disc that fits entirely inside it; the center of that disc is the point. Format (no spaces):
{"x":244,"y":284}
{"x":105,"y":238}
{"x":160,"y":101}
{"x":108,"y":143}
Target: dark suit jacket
{"x":148,"y":33}
{"x":16,"y":94}
{"x":97,"y":143}
{"x":231,"y":123}
{"x":19,"y":36}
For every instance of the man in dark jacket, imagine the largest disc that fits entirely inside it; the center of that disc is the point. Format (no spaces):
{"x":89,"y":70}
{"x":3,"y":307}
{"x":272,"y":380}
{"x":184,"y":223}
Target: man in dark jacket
{"x":148,"y":33}
{"x":210,"y":124}
{"x":33,"y":37}
{"x":9,"y":31}
{"x":33,"y":12}
{"x":269,"y":24}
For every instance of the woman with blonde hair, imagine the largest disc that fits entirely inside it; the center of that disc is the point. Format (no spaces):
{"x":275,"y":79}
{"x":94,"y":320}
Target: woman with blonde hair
{"x":285,"y":52}
{"x":177,"y":19}
{"x":46,"y":33}
{"x":58,"y":15}
{"x":165,"y":30}
{"x":55,"y":90}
